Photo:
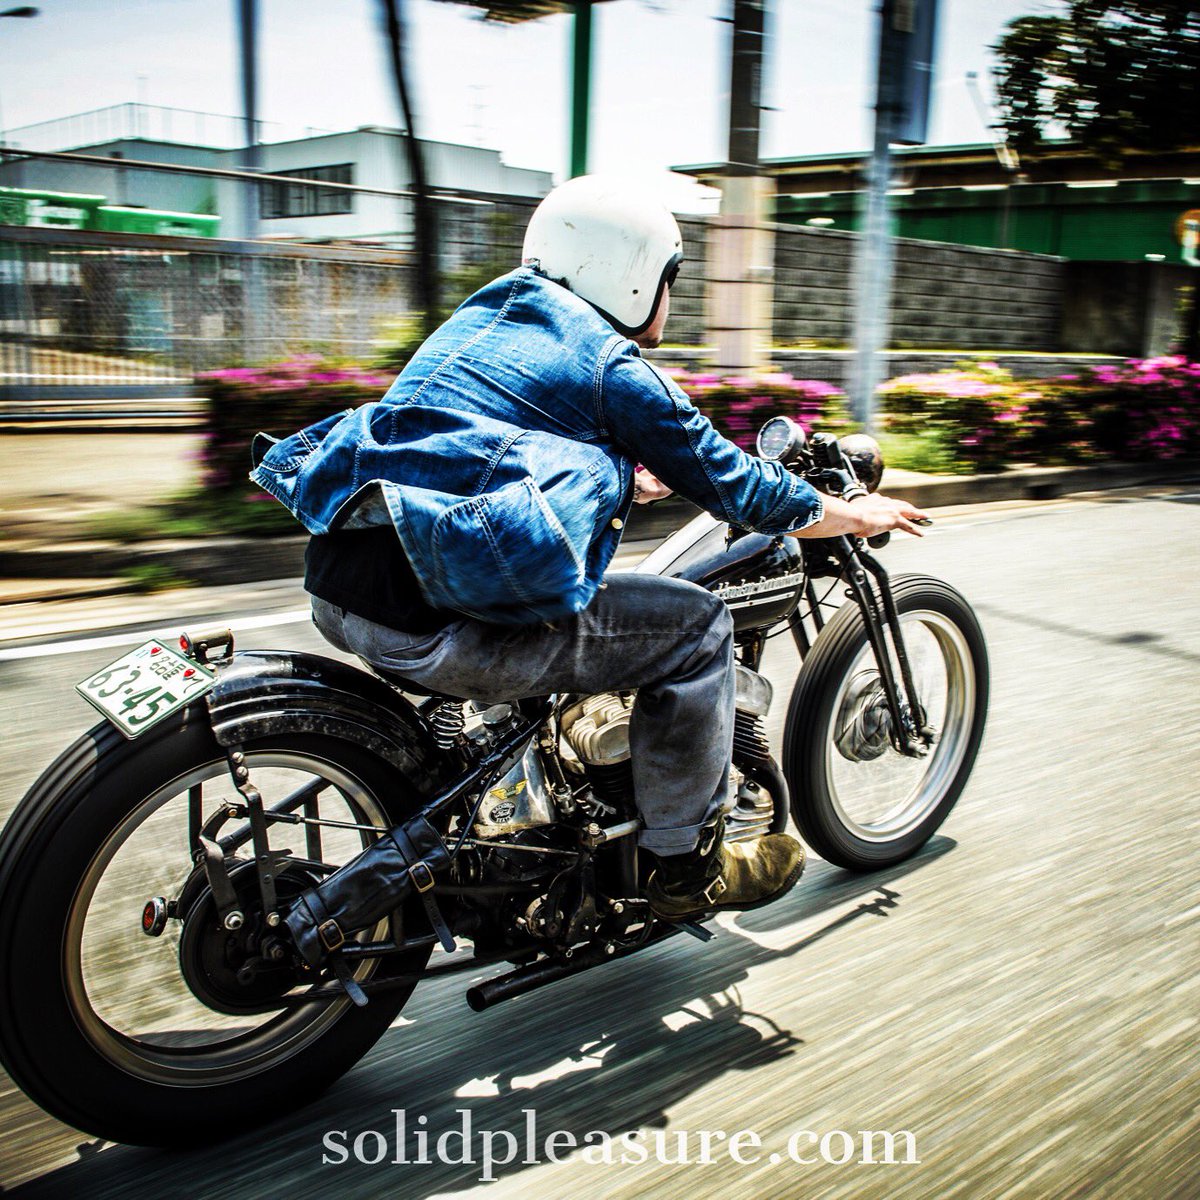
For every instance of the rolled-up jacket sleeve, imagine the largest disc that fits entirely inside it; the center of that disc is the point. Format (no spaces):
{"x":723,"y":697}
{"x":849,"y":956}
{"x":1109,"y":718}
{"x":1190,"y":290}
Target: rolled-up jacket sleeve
{"x":659,"y":426}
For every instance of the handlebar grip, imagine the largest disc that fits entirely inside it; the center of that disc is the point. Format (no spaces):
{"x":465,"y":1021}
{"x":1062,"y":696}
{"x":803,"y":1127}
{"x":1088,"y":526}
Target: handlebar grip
{"x":879,"y":540}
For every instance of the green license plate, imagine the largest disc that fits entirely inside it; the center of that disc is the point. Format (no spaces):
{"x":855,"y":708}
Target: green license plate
{"x":145,"y":686}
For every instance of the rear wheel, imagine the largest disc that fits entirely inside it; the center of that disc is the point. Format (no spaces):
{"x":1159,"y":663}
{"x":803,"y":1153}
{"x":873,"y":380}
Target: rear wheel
{"x":191,"y":1034}
{"x":857,"y":800}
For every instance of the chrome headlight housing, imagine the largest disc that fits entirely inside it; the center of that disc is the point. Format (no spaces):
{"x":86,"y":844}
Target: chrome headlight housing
{"x":781,"y":439}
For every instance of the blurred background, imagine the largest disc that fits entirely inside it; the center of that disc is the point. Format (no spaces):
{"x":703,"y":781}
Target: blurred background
{"x":972,"y":228}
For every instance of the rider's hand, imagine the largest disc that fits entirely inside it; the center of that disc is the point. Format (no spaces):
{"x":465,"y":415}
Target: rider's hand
{"x":879,"y":514}
{"x":647,"y":487}
{"x":864,"y":517}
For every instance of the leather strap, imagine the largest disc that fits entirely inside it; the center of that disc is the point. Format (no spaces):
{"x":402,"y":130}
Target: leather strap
{"x":347,"y":980}
{"x":421,"y":875}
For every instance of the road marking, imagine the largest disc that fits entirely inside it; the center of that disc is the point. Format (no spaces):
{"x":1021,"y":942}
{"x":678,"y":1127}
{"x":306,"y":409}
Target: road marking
{"x":134,"y":637}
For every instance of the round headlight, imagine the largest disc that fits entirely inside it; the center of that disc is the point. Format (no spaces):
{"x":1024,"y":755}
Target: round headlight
{"x":781,"y":439}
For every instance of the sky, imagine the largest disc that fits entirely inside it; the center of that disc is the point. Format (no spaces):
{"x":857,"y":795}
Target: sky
{"x":660,"y":74}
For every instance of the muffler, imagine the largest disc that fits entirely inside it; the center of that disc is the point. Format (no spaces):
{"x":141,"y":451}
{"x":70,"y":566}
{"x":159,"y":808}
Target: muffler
{"x":548,"y":970}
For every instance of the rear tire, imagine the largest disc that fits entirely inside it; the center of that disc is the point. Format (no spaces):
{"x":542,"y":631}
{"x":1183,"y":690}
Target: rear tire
{"x":62,"y":1036}
{"x":858,"y":802}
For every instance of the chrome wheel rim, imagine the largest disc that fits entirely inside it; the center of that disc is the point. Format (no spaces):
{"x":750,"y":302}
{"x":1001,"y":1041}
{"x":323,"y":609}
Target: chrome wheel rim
{"x":883,"y":797}
{"x":126,"y":991}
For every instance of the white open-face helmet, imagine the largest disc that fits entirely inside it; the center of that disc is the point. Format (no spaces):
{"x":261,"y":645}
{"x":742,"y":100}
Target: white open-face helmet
{"x":609,"y":243}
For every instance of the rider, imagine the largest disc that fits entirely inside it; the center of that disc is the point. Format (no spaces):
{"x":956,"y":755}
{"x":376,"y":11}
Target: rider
{"x":462,"y":525}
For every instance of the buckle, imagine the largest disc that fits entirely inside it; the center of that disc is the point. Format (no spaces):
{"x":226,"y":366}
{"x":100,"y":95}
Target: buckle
{"x":428,"y":880}
{"x":717,"y":888}
{"x":331,"y":935}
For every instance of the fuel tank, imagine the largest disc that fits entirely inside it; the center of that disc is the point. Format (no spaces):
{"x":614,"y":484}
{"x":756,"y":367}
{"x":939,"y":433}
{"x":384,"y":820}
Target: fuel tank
{"x":759,"y":577}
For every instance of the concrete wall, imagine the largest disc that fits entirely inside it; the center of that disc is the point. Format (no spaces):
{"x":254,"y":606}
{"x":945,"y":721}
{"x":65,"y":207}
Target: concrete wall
{"x":1136,"y":309}
{"x":944,"y":295}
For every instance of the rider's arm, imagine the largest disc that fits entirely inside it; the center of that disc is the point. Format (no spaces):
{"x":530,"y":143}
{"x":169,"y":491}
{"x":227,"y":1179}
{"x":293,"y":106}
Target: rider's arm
{"x":659,"y":426}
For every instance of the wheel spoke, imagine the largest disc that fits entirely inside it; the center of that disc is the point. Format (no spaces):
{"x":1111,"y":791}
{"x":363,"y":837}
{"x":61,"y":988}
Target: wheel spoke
{"x":174,"y":1007}
{"x":879,"y":797}
{"x":304,"y":797}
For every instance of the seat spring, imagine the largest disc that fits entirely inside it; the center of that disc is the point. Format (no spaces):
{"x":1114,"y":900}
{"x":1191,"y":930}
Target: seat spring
{"x":448,"y":722}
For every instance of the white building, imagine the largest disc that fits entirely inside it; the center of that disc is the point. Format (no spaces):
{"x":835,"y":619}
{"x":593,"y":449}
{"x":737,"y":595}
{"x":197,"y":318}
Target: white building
{"x":371,"y":156}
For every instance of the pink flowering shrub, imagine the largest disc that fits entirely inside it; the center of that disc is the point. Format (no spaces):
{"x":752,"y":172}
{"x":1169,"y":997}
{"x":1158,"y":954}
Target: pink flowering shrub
{"x":985,"y":419}
{"x":1145,"y":408}
{"x":976,"y":417}
{"x":278,"y":398}
{"x":738,"y":405}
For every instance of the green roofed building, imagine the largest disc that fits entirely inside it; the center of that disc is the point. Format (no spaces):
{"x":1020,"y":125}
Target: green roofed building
{"x":1064,"y":202}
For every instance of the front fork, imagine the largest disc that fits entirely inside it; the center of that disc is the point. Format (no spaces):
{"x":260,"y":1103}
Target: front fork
{"x":911,"y":736}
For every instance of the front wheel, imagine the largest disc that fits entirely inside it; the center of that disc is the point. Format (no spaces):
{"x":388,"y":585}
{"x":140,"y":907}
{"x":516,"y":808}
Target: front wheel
{"x":185,"y":1036}
{"x":858,"y":801}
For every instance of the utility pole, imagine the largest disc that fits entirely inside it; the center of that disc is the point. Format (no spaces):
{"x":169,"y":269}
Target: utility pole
{"x":248,"y":56}
{"x":741,"y":247}
{"x":1191,"y":256}
{"x":581,"y":84}
{"x":1006,"y":156}
{"x":902,"y":87}
{"x":253,"y":289}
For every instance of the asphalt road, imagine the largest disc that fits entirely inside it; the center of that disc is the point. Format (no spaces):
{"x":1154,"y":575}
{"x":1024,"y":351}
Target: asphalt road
{"x":1022,"y":997}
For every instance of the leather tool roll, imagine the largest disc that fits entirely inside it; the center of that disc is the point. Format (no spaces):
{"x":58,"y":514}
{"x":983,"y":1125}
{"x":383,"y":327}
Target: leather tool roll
{"x":369,"y":887}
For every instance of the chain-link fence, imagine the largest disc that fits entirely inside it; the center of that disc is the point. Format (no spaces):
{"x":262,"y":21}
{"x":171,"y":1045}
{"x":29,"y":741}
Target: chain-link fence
{"x":101,"y":310}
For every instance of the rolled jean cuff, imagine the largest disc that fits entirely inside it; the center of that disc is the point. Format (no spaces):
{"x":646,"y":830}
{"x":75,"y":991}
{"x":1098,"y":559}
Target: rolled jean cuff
{"x":679,"y":839}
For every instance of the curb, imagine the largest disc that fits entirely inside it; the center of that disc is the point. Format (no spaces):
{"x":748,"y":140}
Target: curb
{"x":214,"y":561}
{"x":1039,"y":483}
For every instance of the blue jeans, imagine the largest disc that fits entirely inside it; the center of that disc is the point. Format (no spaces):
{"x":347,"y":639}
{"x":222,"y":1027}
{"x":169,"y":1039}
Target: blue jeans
{"x":669,"y":639}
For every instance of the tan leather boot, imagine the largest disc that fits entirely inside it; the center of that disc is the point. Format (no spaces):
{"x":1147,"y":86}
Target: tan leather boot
{"x":716,"y":875}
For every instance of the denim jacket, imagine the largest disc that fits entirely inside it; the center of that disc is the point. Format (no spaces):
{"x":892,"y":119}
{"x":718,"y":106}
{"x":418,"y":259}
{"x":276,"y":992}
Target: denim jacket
{"x":503,"y":456}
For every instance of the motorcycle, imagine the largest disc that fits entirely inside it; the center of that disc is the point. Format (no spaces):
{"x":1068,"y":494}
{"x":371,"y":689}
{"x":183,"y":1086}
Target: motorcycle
{"x":218,"y":899}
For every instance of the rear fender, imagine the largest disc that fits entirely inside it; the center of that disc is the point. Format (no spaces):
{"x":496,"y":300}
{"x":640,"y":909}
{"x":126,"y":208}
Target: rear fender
{"x":266,"y":692}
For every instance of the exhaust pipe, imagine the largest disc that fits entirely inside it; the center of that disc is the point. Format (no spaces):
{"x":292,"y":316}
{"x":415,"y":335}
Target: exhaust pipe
{"x":548,"y":970}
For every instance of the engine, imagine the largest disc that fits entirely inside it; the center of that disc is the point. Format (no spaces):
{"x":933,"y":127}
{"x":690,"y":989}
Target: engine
{"x":597,"y":732}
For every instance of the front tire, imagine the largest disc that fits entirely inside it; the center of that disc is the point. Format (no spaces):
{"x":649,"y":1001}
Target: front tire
{"x":99,"y":1024}
{"x":857,"y":801}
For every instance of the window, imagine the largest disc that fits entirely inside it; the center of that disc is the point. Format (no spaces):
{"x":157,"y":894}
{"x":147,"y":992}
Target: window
{"x":277,"y":199}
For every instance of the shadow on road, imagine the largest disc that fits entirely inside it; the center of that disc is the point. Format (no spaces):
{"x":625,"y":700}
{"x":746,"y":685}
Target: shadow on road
{"x":608,"y":1050}
{"x":1137,"y":638}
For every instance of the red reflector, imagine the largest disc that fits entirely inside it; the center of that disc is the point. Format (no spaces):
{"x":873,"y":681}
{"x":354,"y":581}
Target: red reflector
{"x":183,"y":642}
{"x":155,"y":649}
{"x":189,"y":671}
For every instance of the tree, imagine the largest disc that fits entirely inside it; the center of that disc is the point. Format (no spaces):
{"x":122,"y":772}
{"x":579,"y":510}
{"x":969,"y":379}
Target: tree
{"x":1115,"y":76}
